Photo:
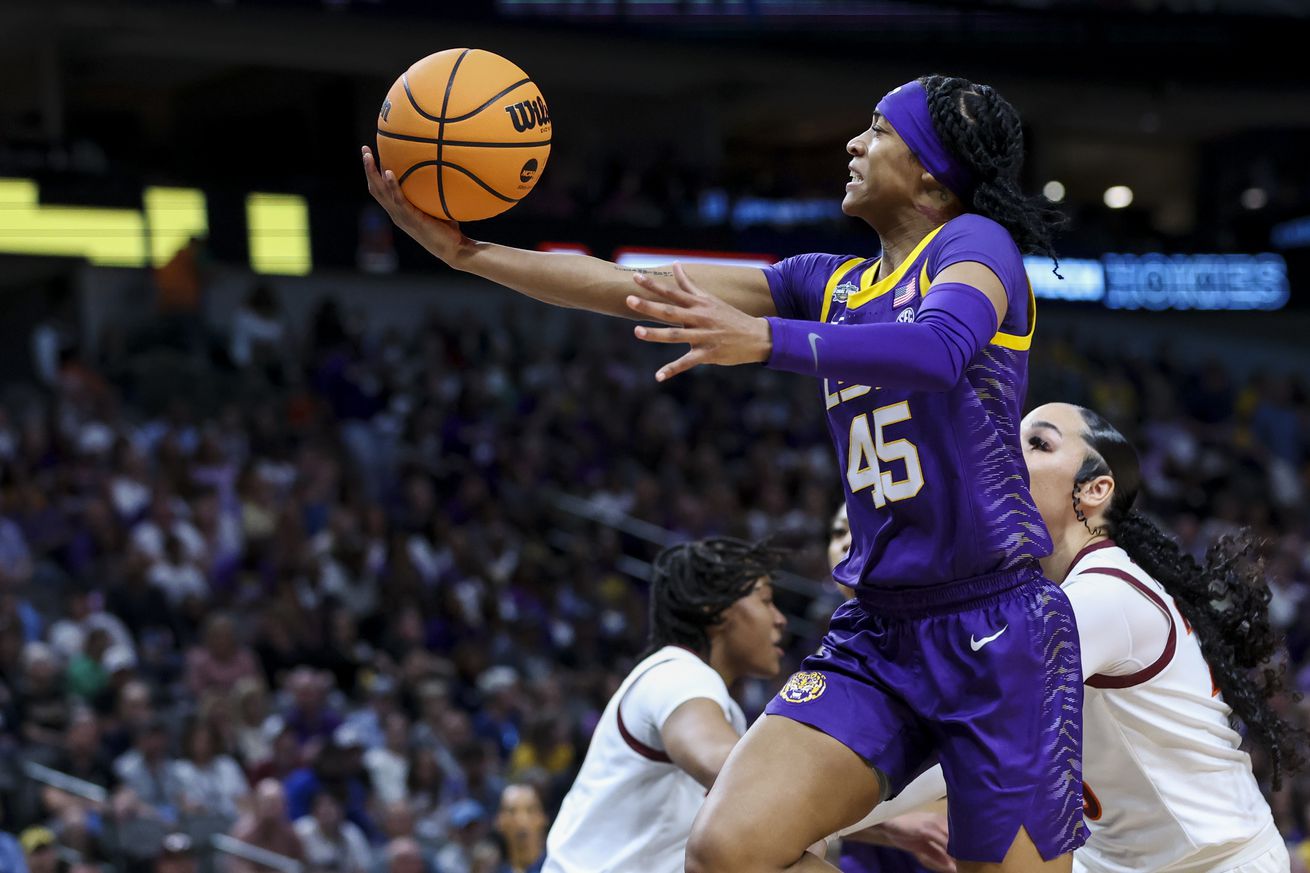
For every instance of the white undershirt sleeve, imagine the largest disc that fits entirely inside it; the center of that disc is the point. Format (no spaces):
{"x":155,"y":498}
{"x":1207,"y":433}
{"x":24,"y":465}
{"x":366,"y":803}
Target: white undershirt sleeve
{"x":1120,"y":630}
{"x":653,"y":697}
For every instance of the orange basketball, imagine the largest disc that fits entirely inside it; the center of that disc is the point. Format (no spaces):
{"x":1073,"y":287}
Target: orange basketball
{"x":466,"y":132}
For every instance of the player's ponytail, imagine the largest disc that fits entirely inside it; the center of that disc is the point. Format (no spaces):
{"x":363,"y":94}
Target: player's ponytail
{"x":1224,"y":599}
{"x":982,"y":130}
{"x":692,"y":584}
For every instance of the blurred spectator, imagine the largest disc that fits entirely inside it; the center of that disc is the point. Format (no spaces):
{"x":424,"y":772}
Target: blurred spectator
{"x":310,"y":714}
{"x":331,"y":842}
{"x":75,"y":818}
{"x":388,"y":766}
{"x":43,"y":706}
{"x":150,"y":772}
{"x":212,"y":781}
{"x":397,"y":819}
{"x":266,"y":826}
{"x":286,"y":758}
{"x":133,"y":711}
{"x":467,"y":827}
{"x":546,"y":746}
{"x":521,"y":823}
{"x":369,"y":723}
{"x":86,"y":677}
{"x":220,"y":662}
{"x":151,"y":536}
{"x":430,"y":789}
{"x":143,"y":607}
{"x":85,"y":613}
{"x":177,"y":575}
{"x":83,"y":755}
{"x":404,"y":855}
{"x":39,"y":848}
{"x":498,"y":718}
{"x":336,"y":767}
{"x":129,"y":488}
{"x":258,"y":332}
{"x":253,"y":726}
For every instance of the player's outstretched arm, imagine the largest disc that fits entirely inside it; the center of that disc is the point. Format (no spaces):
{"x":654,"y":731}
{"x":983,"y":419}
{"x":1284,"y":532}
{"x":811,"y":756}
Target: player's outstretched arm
{"x":698,"y":739}
{"x":574,"y":281}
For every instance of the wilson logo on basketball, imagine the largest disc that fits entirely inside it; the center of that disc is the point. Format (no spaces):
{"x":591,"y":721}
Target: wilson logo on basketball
{"x":529,"y":114}
{"x":386,"y":110}
{"x":529,"y":170}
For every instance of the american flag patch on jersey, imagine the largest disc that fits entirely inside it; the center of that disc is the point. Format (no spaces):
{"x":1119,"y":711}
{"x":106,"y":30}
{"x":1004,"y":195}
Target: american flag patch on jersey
{"x":906,"y":292}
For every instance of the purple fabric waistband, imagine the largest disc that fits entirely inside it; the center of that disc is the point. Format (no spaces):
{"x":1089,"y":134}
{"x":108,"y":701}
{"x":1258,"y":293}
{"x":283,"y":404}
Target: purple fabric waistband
{"x":958,"y":596}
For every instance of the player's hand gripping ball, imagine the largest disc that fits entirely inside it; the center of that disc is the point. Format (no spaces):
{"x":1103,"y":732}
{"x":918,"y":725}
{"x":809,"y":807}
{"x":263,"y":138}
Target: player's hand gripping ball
{"x":466,"y":133}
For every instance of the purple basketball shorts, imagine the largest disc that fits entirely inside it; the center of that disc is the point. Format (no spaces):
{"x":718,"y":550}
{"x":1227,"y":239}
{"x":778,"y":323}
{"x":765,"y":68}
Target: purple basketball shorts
{"x":982,"y":675}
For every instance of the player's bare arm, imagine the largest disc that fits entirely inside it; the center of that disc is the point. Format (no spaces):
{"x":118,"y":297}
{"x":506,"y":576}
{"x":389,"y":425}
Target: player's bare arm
{"x":698,"y":739}
{"x":717,"y":332}
{"x":923,"y":834}
{"x":573,"y":281}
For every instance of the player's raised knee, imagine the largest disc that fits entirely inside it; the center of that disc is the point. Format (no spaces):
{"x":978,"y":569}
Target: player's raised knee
{"x":716,"y":849}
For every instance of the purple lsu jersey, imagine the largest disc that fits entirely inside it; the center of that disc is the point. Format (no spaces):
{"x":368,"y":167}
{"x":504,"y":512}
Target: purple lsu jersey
{"x":936,"y":486}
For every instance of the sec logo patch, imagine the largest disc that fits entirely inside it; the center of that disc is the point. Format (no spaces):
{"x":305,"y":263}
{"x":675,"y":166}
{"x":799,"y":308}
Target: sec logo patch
{"x":803,"y":687}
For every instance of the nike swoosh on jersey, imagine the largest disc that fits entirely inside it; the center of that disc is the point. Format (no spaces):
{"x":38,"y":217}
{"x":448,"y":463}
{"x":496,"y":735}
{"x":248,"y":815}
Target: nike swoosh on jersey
{"x":977,"y":644}
{"x":814,"y":348}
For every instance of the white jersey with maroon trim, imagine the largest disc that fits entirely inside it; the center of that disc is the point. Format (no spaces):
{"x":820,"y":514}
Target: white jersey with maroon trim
{"x":1167,"y":787}
{"x":631,"y":808}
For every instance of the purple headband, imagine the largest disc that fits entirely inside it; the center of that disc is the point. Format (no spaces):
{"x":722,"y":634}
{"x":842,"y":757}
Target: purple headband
{"x":906,"y":108}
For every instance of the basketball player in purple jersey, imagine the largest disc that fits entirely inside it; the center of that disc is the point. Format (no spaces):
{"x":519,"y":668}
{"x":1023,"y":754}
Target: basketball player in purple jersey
{"x":956,"y":647}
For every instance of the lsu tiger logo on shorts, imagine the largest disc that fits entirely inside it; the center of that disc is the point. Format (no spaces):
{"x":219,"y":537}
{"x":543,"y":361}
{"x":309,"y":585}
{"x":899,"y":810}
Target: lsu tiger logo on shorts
{"x":803,"y":687}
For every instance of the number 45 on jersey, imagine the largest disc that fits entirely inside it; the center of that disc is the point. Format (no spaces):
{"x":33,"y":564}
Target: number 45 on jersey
{"x":869,"y":446}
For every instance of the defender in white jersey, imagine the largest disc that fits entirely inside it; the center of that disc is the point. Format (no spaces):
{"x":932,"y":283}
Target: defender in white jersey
{"x":668,"y":729}
{"x":1168,"y":645}
{"x":1167,"y":648}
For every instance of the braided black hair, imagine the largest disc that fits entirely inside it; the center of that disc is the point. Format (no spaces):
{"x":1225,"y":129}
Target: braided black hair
{"x":981,"y":129}
{"x":1224,"y":599}
{"x":694,"y":583}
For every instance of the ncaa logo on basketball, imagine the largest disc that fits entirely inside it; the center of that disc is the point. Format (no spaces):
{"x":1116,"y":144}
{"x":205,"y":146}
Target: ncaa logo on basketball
{"x":529,"y":170}
{"x":843,"y":292}
{"x":803,"y":687}
{"x":386,"y":109}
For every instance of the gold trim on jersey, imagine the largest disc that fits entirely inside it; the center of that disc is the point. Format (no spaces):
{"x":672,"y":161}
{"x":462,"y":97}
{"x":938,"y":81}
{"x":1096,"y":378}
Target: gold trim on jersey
{"x":1014,"y":341}
{"x":872,"y":290}
{"x":1004,"y":340}
{"x":832,"y":286}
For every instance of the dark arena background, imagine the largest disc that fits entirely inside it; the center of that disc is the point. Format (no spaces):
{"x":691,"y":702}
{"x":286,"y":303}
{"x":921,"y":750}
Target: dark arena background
{"x":278,"y":490}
